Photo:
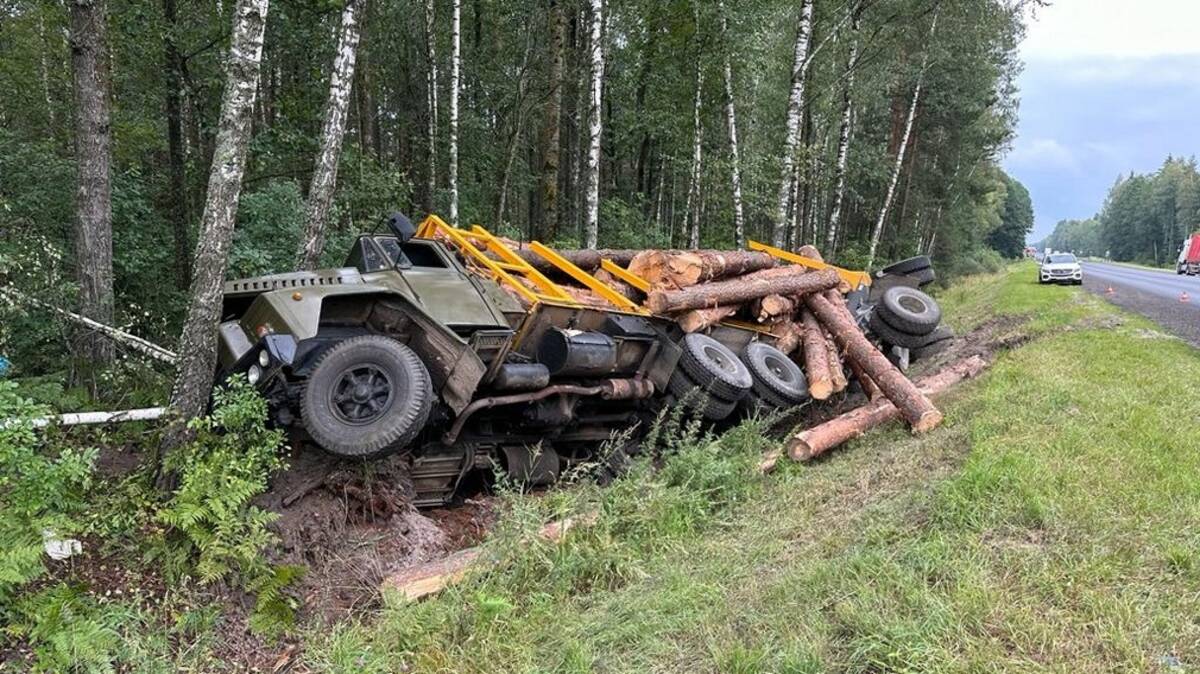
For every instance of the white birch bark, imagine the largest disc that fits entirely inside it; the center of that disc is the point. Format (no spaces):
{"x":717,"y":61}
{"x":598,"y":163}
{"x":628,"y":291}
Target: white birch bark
{"x":455,"y":70}
{"x":198,"y":341}
{"x":890,"y":195}
{"x":795,"y":113}
{"x":735,"y":178}
{"x":431,"y":100}
{"x":843,"y":151}
{"x":592,"y":190}
{"x":692,"y":208}
{"x":333,"y":129}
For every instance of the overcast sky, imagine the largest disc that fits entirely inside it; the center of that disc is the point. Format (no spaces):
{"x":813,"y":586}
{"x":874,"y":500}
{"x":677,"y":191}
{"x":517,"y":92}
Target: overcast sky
{"x":1110,"y":86}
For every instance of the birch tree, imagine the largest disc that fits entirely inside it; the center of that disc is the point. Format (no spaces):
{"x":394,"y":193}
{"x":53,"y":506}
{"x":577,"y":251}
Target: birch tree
{"x":592,"y":190}
{"x":795,"y":112}
{"x":198,"y":341}
{"x":739,"y":218}
{"x":692,"y":208}
{"x":333,"y":130}
{"x":890,"y":194}
{"x":93,"y":180}
{"x":455,"y":67}
{"x":431,"y":101}
{"x":843,"y":149}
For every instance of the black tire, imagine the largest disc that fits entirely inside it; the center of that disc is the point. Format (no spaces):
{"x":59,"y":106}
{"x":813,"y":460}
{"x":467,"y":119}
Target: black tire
{"x":889,"y":335}
{"x":912,"y":264}
{"x":695,"y":397}
{"x":777,"y":380}
{"x":909,"y":310}
{"x":924,"y":277}
{"x":367,"y":397}
{"x":706,"y":360}
{"x":935,"y":342}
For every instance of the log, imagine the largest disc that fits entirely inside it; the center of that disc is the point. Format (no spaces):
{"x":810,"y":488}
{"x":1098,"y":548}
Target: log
{"x":841,"y":428}
{"x":626,"y":290}
{"x":819,"y":439}
{"x":816,"y":358}
{"x":915,"y":406}
{"x":696,"y":320}
{"x":787,"y":335}
{"x":681,"y":269}
{"x":429,"y":578}
{"x":772,"y":308}
{"x":837,"y":374}
{"x":88,"y":418}
{"x":868,"y":385}
{"x":742,"y":289}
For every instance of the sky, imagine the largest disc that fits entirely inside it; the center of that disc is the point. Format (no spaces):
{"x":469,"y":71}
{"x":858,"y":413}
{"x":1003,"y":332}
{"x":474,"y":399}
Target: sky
{"x":1109,"y":87}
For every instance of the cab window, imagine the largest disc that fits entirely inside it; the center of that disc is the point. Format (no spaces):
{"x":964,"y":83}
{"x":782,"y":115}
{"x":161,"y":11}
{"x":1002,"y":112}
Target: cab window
{"x":366,"y":257}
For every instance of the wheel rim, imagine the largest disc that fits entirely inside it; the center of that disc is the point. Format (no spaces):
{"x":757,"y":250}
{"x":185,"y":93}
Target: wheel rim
{"x":718,"y":359}
{"x":361,"y":394}
{"x":777,"y":367}
{"x":912,"y":304}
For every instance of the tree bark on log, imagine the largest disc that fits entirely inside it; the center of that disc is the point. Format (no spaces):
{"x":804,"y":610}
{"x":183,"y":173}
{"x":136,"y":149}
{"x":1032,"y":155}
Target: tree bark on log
{"x":787,"y":335}
{"x":819,"y":439}
{"x":700,"y":319}
{"x":741,"y":289}
{"x":870,"y":390}
{"x":816,"y":358}
{"x":915,"y":407}
{"x":683,"y":268}
{"x":772,"y":308}
{"x":836,"y":372}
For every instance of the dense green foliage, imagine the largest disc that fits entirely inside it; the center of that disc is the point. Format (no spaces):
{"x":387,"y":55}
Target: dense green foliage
{"x":949,"y":197}
{"x":1145,"y":217}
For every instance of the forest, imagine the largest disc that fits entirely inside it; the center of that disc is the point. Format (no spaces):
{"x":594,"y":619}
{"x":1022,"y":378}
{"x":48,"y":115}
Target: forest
{"x":1145,"y":218}
{"x":870,"y":127}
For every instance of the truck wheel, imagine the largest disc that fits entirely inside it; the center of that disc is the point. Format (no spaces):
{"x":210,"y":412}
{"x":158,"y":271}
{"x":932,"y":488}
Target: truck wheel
{"x":710,"y":362}
{"x":912,"y":264}
{"x":889,"y":335}
{"x":367,"y":397}
{"x":688,"y":392}
{"x":935,"y":342}
{"x":777,"y":380}
{"x":909,"y":310}
{"x":924,"y":277}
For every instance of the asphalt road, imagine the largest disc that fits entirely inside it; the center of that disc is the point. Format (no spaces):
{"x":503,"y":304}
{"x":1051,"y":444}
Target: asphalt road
{"x":1151,"y":293}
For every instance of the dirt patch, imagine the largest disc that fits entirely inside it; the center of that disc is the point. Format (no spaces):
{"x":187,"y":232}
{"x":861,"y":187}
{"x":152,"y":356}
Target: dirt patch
{"x":1001,"y":333}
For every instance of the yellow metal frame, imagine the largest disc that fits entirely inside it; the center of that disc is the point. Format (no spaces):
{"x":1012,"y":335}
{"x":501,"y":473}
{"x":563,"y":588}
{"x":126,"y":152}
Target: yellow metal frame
{"x":854,"y":278}
{"x":501,"y":270}
{"x":591,"y":282}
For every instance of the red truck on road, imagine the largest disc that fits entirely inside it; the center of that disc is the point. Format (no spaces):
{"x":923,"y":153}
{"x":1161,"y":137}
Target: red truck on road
{"x":1189,"y":256}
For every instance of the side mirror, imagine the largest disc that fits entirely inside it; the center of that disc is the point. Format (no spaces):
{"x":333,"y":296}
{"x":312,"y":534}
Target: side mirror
{"x":401,"y":226}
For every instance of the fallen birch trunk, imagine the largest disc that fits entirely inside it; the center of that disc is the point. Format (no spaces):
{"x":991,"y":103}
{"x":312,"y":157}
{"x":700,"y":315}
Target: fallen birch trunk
{"x":432,"y":577}
{"x":92,"y":418}
{"x":812,"y":442}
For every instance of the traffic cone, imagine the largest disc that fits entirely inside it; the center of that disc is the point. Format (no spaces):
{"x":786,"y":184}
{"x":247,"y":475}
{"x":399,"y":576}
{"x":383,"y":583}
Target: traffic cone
{"x":1110,"y":291}
{"x":1183,"y":297}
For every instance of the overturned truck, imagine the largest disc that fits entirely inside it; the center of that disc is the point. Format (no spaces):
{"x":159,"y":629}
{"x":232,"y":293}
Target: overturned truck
{"x":449,"y":347}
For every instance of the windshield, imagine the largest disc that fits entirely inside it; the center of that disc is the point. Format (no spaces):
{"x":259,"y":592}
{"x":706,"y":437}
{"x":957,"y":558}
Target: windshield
{"x":1060,"y":258}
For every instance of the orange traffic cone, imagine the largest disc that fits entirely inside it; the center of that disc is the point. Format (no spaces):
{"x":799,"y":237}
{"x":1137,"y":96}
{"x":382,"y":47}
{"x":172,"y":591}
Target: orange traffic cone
{"x":1110,"y":291}
{"x":1183,"y":297}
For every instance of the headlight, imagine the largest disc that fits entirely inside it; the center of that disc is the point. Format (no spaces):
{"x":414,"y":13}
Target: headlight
{"x":264,"y":358}
{"x":254,"y":374}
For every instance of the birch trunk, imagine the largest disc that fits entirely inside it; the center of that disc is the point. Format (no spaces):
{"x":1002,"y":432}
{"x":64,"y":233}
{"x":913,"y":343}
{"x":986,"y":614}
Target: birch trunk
{"x":843,"y":151}
{"x":739,"y":218}
{"x":591,"y":226}
{"x":692,"y":209}
{"x":795,"y":112}
{"x":198,"y":341}
{"x":551,"y":126}
{"x":333,"y":130}
{"x":455,"y":68}
{"x":93,"y":182}
{"x":890,"y":195}
{"x":431,"y":101}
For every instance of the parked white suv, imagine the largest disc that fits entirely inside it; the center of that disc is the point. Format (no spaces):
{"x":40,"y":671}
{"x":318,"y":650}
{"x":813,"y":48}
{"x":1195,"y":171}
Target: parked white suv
{"x":1060,"y":268}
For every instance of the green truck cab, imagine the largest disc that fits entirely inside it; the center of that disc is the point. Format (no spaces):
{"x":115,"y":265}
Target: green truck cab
{"x":404,"y":350}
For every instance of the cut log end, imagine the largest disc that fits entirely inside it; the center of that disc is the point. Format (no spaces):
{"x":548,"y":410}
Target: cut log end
{"x":928,"y":421}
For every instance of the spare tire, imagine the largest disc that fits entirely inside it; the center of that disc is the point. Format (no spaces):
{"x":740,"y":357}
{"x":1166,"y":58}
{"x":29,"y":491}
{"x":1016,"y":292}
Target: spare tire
{"x":924,"y":277}
{"x":909,"y":310}
{"x":889,"y":335}
{"x":777,"y":379}
{"x":694,"y":396}
{"x":935,"y":342}
{"x":367,"y":397}
{"x":711,"y":363}
{"x":908,"y":266}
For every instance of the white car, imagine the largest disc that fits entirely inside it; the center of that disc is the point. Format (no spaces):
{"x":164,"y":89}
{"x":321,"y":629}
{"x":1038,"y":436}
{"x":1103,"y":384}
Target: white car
{"x":1060,"y":268}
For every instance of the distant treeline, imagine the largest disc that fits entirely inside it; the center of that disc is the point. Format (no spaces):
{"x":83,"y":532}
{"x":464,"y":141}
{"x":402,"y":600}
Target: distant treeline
{"x":1145,"y":217}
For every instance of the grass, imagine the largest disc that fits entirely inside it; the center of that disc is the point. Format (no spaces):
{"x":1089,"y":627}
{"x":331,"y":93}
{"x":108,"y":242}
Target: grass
{"x":1049,"y":526}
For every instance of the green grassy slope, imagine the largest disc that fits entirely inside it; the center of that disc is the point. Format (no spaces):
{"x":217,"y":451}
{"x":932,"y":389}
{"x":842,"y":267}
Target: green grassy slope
{"x":1050,"y":525}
